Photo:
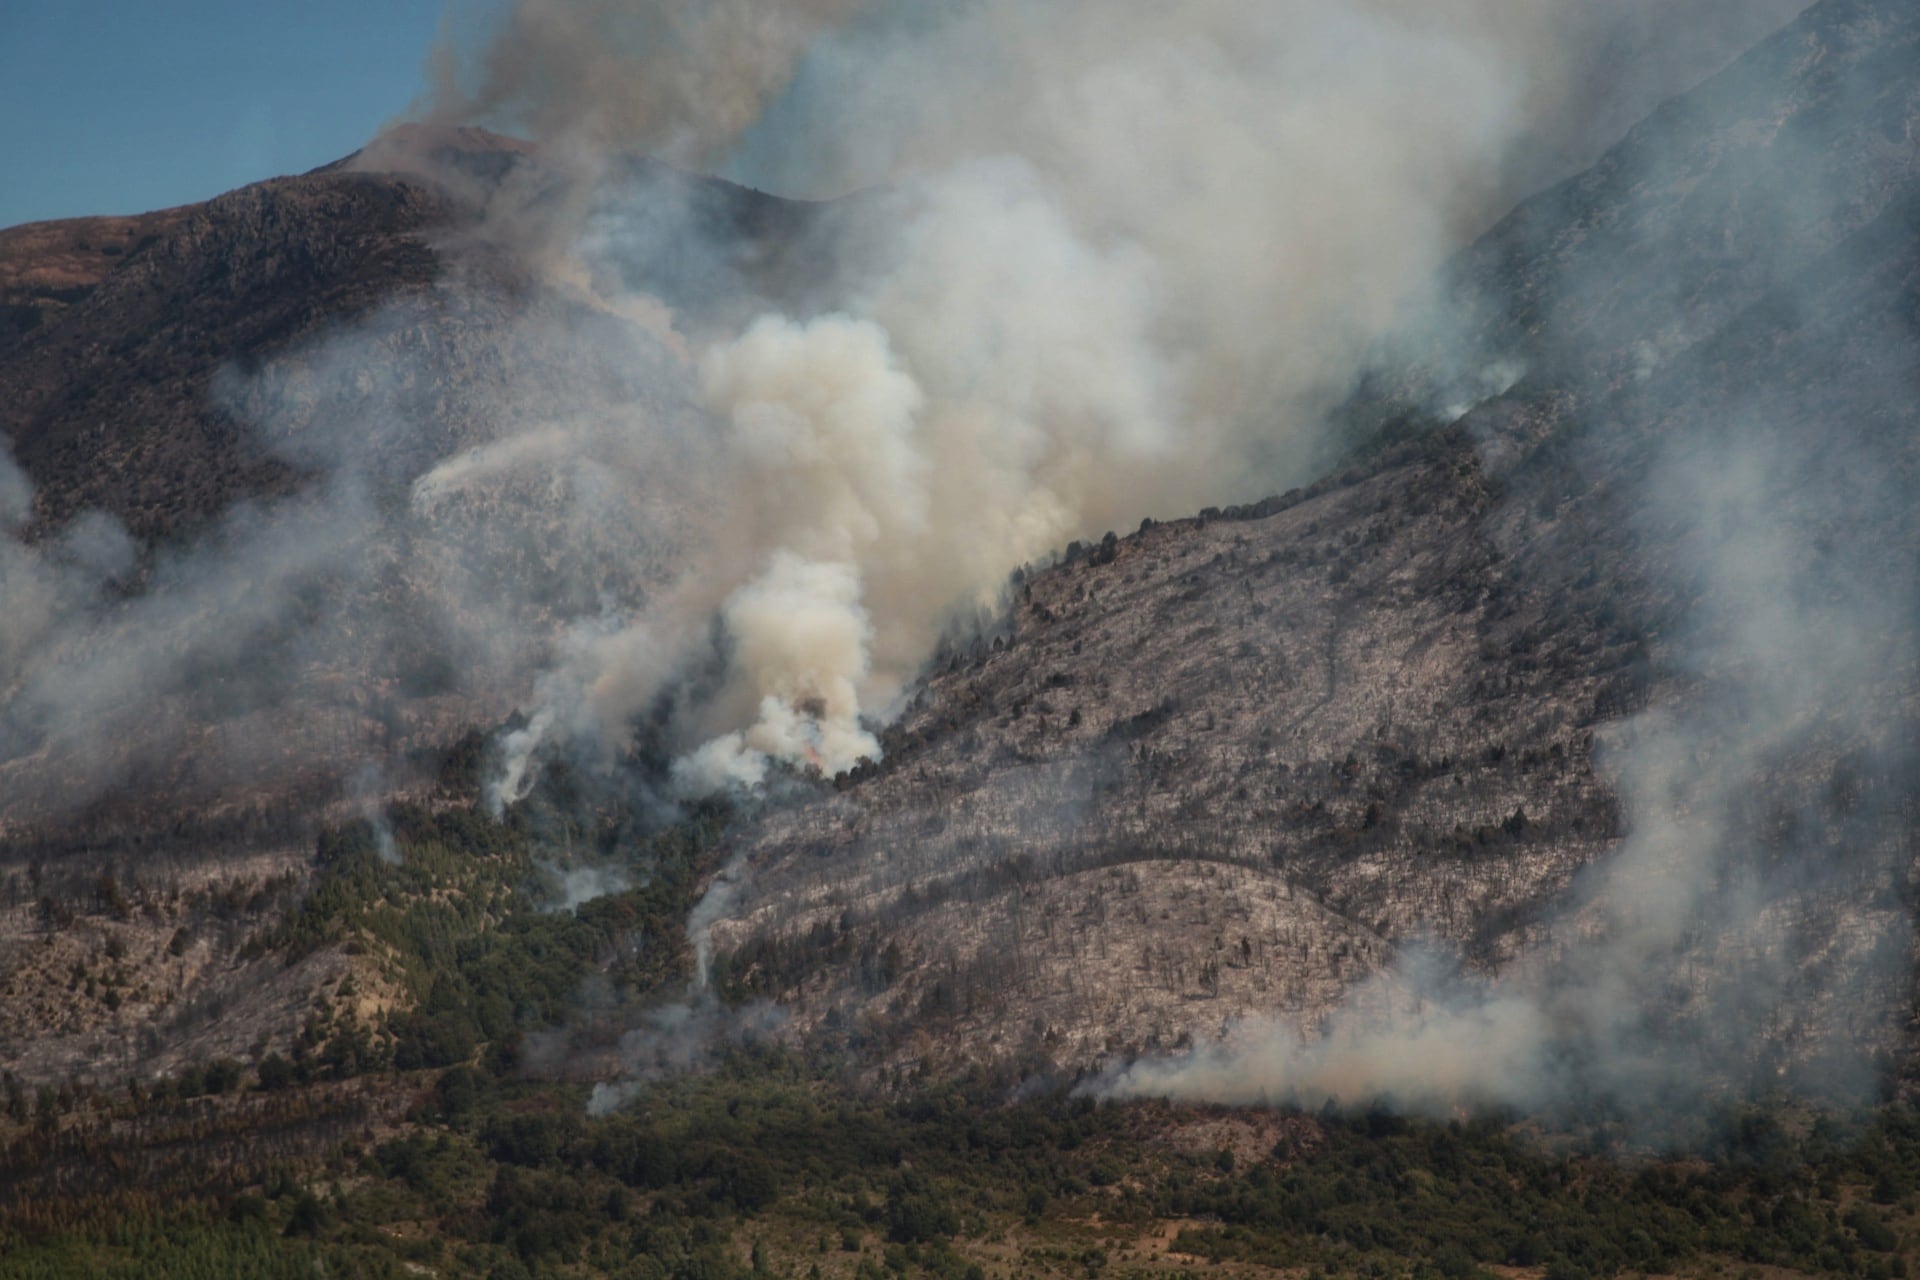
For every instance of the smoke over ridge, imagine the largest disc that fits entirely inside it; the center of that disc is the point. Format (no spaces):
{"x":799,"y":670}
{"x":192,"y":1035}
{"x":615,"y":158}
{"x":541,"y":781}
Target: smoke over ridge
{"x":1707,"y":949}
{"x":1118,"y":261}
{"x":1122,"y":261}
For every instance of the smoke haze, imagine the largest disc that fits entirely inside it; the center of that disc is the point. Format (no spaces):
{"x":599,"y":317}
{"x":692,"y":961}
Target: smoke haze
{"x":1118,"y":262}
{"x":1123,"y":259}
{"x":1722,"y":942}
{"x":1106,"y":262}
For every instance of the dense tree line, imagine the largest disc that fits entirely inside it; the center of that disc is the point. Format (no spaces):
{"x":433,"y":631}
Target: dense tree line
{"x":761,"y":1167}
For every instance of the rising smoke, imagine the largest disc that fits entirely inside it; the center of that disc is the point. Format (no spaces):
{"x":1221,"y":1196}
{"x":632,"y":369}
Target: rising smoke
{"x":1126,"y":258}
{"x":1114,"y":262}
{"x":1117,"y":262}
{"x":674,"y":79}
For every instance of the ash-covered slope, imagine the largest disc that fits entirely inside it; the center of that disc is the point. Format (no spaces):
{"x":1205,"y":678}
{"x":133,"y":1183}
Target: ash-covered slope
{"x":1650,"y":612}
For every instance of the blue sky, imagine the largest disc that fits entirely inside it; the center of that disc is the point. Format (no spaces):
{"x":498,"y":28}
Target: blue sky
{"x":119,"y":106}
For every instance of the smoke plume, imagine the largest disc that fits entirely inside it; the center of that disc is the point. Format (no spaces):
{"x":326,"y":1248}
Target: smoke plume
{"x":676,"y":79}
{"x":1113,"y":262}
{"x":677,"y":1038}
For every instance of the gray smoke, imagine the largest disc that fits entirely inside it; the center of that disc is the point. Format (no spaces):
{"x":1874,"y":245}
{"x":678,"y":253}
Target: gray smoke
{"x":674,"y":79}
{"x":573,"y":886}
{"x":678,"y":1038}
{"x":366,"y":790}
{"x":1124,"y":257}
{"x":1123,"y":260}
{"x":104,"y":682}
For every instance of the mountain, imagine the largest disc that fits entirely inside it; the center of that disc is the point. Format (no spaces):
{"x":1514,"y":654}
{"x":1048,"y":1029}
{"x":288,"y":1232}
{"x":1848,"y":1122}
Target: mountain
{"x":1230,"y":767}
{"x":116,"y":327}
{"x":228,"y":592}
{"x":221,"y":412}
{"x":1520,"y":817}
{"x":1631,"y":511}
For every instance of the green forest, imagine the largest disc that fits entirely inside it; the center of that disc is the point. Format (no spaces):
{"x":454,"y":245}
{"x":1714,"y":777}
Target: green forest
{"x":447,"y":1137}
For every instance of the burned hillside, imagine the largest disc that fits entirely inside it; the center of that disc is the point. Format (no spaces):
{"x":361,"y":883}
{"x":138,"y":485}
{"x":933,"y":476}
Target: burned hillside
{"x":1223,"y":769}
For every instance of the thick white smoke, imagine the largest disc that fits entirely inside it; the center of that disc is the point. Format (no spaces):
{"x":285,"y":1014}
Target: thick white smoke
{"x":801,"y":639}
{"x":1124,"y":257}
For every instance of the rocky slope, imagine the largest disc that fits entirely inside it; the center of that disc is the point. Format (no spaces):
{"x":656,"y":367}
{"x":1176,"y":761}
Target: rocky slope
{"x":1214,"y":766}
{"x":1224,"y":767}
